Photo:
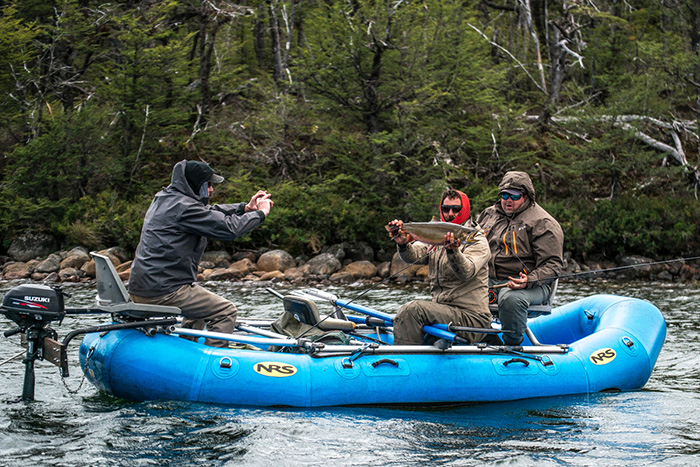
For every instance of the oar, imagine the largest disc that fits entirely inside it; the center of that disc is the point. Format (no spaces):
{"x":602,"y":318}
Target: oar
{"x":443,"y":334}
{"x":261,"y":332}
{"x":257,"y":341}
{"x":453,"y":328}
{"x":388,"y":319}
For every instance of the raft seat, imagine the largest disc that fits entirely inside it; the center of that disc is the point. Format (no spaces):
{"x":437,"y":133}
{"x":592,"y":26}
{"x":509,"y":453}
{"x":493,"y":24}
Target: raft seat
{"x":533,"y":311}
{"x":113,"y":297}
{"x":306,"y":311}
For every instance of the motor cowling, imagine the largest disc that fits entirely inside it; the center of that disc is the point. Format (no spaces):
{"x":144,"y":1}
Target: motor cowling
{"x":33,"y":305}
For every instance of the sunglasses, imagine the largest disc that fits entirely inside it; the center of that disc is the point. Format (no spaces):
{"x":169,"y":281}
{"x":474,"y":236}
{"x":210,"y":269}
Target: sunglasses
{"x":446,"y":208}
{"x":513,"y":197}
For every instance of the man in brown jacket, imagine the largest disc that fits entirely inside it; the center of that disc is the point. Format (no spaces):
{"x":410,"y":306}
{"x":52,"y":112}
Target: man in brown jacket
{"x":458,"y":278}
{"x":526,"y":252}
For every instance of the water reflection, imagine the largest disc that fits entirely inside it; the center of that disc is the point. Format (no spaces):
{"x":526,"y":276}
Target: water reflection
{"x":654,"y":426}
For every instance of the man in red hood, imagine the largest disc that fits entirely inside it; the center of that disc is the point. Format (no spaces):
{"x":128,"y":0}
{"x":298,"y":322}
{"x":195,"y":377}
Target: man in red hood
{"x":458,"y":277}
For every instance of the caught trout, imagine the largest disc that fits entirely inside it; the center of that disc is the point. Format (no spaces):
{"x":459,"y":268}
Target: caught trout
{"x":433,"y":233}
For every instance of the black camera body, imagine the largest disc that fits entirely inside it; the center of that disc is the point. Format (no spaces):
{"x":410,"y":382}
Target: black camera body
{"x":33,"y":305}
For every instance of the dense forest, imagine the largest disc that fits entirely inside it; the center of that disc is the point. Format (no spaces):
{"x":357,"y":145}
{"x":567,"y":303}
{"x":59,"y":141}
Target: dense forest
{"x":352,"y":113}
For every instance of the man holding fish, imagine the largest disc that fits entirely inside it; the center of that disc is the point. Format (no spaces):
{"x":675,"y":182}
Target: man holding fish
{"x":457,"y":253}
{"x":527,"y":246}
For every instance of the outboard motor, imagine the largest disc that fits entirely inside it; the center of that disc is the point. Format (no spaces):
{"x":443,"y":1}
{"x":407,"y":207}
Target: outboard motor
{"x":32,"y":307}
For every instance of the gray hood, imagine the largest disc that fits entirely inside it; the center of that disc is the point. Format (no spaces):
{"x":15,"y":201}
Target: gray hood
{"x":518,"y":181}
{"x":179,"y":182}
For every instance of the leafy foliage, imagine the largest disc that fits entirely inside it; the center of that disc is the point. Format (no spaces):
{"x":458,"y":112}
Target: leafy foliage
{"x":352,"y":113}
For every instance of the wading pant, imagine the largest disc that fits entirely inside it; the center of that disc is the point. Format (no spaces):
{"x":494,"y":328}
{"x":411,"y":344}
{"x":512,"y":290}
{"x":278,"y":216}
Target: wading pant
{"x":512,"y":309}
{"x":199,"y":306}
{"x":411,"y":317}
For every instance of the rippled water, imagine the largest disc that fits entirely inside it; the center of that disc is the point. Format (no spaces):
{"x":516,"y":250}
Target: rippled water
{"x":657,"y":425}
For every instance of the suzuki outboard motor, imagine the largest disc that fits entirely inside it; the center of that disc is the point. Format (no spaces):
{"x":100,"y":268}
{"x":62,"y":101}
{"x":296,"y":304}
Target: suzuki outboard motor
{"x":33,"y":307}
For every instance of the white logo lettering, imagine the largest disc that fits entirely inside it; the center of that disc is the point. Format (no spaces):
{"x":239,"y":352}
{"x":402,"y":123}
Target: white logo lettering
{"x":38,"y":299}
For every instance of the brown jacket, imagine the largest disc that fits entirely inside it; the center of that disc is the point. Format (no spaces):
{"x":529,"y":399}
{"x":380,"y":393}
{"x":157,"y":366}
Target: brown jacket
{"x":530,"y":240}
{"x":457,"y":279}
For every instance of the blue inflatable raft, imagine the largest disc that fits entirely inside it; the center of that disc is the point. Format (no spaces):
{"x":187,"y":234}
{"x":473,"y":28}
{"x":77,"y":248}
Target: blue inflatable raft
{"x":602,"y":343}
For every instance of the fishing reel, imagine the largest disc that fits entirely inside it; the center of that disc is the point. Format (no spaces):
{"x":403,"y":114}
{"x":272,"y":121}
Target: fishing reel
{"x":493,"y":296}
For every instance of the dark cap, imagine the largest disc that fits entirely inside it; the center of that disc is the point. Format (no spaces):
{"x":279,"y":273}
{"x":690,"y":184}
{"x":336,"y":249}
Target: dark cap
{"x":198,"y":173}
{"x":512,"y":191}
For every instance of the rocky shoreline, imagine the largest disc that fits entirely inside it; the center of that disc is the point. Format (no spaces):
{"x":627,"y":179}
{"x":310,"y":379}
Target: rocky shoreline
{"x":343,"y":263}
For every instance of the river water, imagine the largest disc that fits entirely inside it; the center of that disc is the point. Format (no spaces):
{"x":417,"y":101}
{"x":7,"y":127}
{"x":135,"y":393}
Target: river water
{"x":654,"y":426}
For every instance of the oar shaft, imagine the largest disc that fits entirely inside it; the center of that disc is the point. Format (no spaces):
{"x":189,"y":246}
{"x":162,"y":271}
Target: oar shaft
{"x":236,"y":338}
{"x":369,"y":321}
{"x":364,"y":310}
{"x":441,"y":333}
{"x":347,"y":304}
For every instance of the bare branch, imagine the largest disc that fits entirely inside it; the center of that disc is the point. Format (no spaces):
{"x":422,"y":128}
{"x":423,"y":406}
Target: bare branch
{"x":535,"y":40}
{"x":511,"y":56}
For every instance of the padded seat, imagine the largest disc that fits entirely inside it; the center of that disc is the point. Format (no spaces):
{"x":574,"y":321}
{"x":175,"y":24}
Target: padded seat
{"x":113,"y":297}
{"x":306,"y":311}
{"x":535,"y":310}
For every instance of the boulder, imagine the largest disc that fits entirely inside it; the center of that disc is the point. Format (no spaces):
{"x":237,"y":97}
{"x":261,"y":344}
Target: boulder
{"x":243,"y":267}
{"x":358,"y":251}
{"x":220,"y":258}
{"x":206,"y":265}
{"x":126,"y":266}
{"x":665,"y":276}
{"x":70,"y":275}
{"x":39,"y":276}
{"x":31,"y":245}
{"x":402,"y":270}
{"x":90,"y":270}
{"x":119,"y":252}
{"x":423,"y":271}
{"x":50,"y":264}
{"x":324,"y":264}
{"x":16,"y":270}
{"x":294,"y":274}
{"x":221,"y":274}
{"x":274,"y":276}
{"x":342,"y":277}
{"x":275,"y":260}
{"x":384,"y":269}
{"x":360,"y":269}
{"x":336,"y":250}
{"x":53,"y":277}
{"x":75,"y":258}
{"x":688,"y":273}
{"x":239,"y":255}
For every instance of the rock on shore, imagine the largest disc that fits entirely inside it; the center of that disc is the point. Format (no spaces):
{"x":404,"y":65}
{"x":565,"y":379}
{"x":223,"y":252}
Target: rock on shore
{"x":342,"y":263}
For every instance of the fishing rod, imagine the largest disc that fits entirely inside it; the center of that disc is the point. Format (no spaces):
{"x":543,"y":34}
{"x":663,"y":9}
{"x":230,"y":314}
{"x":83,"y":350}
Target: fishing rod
{"x":601,"y":271}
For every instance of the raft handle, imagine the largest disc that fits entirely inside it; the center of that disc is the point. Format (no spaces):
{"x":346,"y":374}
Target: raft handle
{"x":516,"y":360}
{"x":225,"y":362}
{"x":385,"y":360}
{"x":628,"y":342}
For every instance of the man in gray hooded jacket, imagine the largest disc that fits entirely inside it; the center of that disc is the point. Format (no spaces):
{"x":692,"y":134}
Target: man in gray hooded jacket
{"x":173,"y":238}
{"x":527,"y":246}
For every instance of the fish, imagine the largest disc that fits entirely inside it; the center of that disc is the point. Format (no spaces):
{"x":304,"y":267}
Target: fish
{"x":433,"y":233}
